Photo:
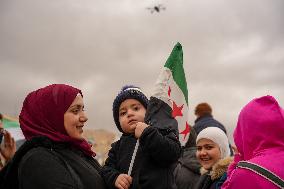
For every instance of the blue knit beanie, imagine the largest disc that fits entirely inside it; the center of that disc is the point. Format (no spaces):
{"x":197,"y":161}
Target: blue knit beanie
{"x":127,"y":92}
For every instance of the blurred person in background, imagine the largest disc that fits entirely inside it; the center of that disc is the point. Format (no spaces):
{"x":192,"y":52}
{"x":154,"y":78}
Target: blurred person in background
{"x":204,"y":118}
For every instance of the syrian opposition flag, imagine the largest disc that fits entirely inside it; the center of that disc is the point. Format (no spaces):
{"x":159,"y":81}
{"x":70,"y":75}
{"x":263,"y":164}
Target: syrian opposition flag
{"x":12,"y":125}
{"x":171,"y":87}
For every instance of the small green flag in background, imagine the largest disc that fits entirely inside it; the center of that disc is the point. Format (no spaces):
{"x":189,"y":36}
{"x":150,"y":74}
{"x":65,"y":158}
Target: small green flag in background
{"x":12,"y":125}
{"x":8,"y":124}
{"x":171,"y":87}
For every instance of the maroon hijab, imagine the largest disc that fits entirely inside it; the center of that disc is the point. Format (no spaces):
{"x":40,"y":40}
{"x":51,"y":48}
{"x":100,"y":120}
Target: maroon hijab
{"x":43,"y":115}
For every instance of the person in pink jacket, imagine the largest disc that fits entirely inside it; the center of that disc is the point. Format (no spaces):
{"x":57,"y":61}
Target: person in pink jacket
{"x":259,"y":138}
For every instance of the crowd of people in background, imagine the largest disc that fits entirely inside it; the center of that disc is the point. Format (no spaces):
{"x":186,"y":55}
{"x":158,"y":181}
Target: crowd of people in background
{"x":148,"y":153}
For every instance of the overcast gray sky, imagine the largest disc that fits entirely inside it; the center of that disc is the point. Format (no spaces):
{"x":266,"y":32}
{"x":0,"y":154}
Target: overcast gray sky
{"x":233,"y":50}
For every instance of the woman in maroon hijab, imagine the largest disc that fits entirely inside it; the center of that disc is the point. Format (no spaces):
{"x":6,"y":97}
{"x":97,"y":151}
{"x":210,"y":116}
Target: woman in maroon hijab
{"x":55,"y":154}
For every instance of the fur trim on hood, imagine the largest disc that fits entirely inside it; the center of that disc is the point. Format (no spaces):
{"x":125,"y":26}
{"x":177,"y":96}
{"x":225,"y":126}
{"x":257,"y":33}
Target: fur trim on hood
{"x":219,"y":168}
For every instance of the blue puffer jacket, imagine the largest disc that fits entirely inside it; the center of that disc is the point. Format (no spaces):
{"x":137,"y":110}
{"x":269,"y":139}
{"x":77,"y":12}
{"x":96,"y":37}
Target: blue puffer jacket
{"x":207,"y":121}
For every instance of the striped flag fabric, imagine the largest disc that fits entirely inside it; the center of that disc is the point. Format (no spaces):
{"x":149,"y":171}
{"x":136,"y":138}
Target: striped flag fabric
{"x":171,"y":87}
{"x":12,"y":125}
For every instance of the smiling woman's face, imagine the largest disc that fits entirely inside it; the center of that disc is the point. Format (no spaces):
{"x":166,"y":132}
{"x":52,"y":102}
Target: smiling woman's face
{"x":208,"y":153}
{"x":75,"y":118}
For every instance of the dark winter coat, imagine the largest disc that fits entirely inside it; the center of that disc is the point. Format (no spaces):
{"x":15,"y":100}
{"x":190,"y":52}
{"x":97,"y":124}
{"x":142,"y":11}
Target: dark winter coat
{"x":215,"y":178}
{"x":44,"y":164}
{"x":187,"y":171}
{"x":157,"y":154}
{"x":207,"y":121}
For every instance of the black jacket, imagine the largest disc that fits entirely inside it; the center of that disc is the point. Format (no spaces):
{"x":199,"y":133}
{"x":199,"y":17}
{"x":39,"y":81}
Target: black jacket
{"x":42,"y":163}
{"x":157,"y":154}
{"x":187,"y":171}
{"x":207,"y":121}
{"x":205,"y":182}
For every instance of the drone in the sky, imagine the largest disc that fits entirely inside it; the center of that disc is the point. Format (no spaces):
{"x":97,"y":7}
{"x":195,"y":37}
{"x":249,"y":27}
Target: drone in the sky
{"x":156,"y":8}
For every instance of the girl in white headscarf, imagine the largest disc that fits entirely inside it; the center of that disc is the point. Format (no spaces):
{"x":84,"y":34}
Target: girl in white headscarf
{"x":213,"y":153}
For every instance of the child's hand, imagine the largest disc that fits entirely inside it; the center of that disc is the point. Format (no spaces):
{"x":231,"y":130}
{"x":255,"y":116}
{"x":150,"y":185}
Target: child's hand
{"x":140,"y":126}
{"x":123,"y":181}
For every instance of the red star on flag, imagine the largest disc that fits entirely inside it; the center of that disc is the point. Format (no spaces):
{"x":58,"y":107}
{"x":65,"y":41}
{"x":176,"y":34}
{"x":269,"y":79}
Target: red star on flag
{"x":169,"y":91}
{"x":185,"y":131}
{"x":177,"y":111}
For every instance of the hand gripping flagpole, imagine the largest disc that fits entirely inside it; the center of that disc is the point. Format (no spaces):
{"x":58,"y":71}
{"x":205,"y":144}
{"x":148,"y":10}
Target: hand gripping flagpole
{"x":133,"y":157}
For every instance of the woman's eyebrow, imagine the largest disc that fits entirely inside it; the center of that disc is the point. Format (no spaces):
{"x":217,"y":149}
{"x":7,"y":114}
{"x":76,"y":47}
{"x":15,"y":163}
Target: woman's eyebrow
{"x":209,"y":145}
{"x":77,"y":106}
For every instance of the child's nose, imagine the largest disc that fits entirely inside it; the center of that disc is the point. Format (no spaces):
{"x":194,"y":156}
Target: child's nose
{"x":130,"y":113}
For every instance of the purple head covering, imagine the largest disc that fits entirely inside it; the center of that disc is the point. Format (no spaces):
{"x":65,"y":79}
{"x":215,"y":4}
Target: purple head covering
{"x":43,"y":115}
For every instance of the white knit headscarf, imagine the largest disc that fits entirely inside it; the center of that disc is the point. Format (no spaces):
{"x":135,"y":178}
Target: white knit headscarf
{"x":217,"y":136}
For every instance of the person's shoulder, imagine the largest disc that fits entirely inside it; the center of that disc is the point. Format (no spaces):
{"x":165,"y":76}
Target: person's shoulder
{"x":120,"y":140}
{"x":201,"y":121}
{"x":41,"y":163}
{"x":38,"y":151}
{"x":127,"y":138}
{"x":207,"y":118}
{"x":244,"y":178}
{"x":38,"y":156}
{"x":124,"y":139}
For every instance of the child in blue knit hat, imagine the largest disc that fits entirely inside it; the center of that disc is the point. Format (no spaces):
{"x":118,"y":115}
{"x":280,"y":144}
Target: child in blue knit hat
{"x":157,"y":153}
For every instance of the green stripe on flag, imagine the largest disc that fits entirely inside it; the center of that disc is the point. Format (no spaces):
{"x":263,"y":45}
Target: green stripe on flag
{"x":175,"y":64}
{"x":10,"y":124}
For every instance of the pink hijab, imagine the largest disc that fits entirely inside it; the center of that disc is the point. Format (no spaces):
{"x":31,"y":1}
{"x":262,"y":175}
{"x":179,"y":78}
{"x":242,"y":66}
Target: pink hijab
{"x":259,"y":139}
{"x":260,"y":127}
{"x":43,"y":115}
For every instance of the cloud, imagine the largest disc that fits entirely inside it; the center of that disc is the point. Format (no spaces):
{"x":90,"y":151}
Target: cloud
{"x":233,"y":50}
